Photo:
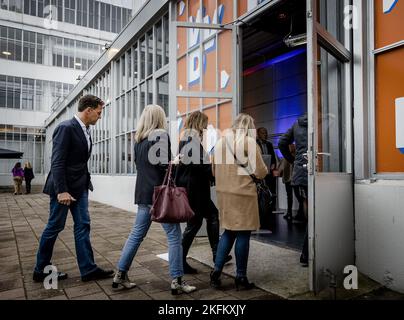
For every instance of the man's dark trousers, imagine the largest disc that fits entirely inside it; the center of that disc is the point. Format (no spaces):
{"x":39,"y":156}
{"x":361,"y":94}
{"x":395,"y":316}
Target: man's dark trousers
{"x":56,"y":223}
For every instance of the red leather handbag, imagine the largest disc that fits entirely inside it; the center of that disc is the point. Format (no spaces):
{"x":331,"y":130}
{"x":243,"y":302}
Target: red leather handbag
{"x":170,"y":203}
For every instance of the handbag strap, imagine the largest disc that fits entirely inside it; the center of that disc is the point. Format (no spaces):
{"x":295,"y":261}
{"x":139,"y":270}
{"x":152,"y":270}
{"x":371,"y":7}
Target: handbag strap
{"x":255,"y":180}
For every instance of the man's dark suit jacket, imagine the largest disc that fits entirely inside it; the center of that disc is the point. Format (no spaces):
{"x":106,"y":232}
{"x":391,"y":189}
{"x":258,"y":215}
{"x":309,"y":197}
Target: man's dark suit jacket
{"x":70,"y":154}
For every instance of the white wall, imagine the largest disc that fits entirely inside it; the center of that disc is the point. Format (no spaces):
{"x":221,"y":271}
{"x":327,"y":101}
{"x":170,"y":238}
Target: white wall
{"x":116,"y":191}
{"x":380,"y":231}
{"x":23,"y":117}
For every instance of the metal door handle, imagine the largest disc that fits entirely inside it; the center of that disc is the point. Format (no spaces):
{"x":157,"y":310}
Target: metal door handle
{"x":324,"y":154}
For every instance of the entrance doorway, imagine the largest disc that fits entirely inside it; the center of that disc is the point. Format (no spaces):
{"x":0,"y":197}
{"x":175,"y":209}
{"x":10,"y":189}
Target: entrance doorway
{"x":274,"y":93}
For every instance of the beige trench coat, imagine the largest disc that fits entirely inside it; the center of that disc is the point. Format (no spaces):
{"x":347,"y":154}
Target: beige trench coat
{"x":236,"y":191}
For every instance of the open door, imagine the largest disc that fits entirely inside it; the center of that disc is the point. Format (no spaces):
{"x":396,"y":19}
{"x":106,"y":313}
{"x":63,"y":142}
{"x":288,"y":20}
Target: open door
{"x":331,"y":216}
{"x":206,"y":71}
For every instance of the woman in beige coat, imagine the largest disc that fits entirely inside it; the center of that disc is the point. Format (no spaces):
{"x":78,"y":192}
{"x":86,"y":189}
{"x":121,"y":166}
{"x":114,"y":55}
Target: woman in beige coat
{"x":237,"y":156}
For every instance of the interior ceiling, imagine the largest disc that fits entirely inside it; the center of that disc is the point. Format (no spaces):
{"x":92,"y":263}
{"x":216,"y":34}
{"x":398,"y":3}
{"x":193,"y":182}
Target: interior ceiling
{"x":263,"y":37}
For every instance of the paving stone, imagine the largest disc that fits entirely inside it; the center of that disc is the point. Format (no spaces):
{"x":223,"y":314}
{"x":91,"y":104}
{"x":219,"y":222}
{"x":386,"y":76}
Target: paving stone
{"x":82,"y":290}
{"x":12,"y":294}
{"x":95,"y":296}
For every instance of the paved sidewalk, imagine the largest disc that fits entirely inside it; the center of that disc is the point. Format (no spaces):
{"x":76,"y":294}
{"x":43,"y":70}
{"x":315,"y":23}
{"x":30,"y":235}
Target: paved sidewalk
{"x":22,"y":220}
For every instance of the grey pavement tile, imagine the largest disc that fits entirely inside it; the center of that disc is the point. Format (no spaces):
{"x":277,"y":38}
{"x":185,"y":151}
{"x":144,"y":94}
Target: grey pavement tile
{"x":43,"y":294}
{"x":206,"y":294}
{"x":61,"y":297}
{"x":10,"y":276}
{"x":12,"y":294}
{"x":11,"y":284}
{"x":131,"y":294}
{"x":82,"y":290}
{"x":95,"y":296}
{"x":166,"y":295}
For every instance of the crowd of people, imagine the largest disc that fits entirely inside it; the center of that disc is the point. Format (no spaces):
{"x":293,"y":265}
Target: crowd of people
{"x":237,"y":210}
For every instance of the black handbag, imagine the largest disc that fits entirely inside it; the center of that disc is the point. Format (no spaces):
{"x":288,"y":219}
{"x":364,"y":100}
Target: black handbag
{"x":263,"y":193}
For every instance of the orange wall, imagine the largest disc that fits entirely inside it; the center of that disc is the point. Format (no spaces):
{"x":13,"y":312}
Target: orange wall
{"x":389,"y":85}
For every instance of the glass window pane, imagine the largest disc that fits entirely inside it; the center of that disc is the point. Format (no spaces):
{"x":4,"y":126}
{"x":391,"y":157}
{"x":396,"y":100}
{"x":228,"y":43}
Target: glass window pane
{"x":150,"y":52}
{"x":142,"y":58}
{"x":331,"y":115}
{"x":159,"y":46}
{"x":162,"y":93}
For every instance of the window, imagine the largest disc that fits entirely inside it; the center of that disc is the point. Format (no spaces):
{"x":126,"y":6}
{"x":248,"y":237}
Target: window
{"x":150,"y":52}
{"x":162,"y":93}
{"x":108,"y":18}
{"x":114,"y":25}
{"x":142,"y":58}
{"x":159,"y":46}
{"x":39,"y":48}
{"x":70,"y":7}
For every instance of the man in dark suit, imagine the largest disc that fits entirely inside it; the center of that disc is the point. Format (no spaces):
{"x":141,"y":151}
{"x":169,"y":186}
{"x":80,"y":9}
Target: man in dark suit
{"x":268,"y":149}
{"x":67,"y":185}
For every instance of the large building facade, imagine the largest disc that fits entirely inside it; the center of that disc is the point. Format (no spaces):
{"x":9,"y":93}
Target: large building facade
{"x":339,"y":61}
{"x":46,"y":47}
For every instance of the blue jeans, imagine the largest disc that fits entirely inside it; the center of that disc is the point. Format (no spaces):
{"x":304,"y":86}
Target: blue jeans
{"x":56,"y":223}
{"x":241,"y":250}
{"x":139,"y":231}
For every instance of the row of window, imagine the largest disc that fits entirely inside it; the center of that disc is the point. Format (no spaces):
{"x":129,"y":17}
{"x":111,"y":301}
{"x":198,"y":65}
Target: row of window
{"x":31,"y":94}
{"x":87,"y":13}
{"x":32,"y":47}
{"x":28,"y":140}
{"x":147,"y":55}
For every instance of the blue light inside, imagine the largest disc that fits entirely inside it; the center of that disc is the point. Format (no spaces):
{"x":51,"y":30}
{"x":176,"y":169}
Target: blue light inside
{"x":276,"y":60}
{"x":288,"y":91}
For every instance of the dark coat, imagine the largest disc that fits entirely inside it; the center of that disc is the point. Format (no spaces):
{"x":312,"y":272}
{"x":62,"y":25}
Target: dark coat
{"x":195,"y":174}
{"x":69,"y":171}
{"x":28,"y":174}
{"x":296,"y":134}
{"x":151,"y":170}
{"x":271,"y":150}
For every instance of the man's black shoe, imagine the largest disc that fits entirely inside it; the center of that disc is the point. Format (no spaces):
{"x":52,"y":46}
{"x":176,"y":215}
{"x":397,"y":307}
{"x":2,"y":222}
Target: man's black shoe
{"x":98,"y":274}
{"x":40,"y":276}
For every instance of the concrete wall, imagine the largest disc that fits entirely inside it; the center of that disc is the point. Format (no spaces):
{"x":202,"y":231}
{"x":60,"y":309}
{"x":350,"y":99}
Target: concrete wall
{"x":379,"y":231}
{"x":117,"y":191}
{"x":26,"y":118}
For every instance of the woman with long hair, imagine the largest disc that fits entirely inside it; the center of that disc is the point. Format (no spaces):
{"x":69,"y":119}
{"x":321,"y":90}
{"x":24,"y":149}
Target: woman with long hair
{"x":237,"y":156}
{"x":28,"y":176}
{"x":195,"y":174}
{"x":152,"y":155}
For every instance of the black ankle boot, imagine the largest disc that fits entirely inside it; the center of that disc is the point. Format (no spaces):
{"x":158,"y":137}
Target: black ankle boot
{"x":215,"y":281}
{"x":243,"y":283}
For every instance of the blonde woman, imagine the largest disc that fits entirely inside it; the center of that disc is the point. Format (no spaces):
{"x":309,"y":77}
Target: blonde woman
{"x":152,"y":155}
{"x":28,"y":176}
{"x":195,"y":174}
{"x":237,"y":156}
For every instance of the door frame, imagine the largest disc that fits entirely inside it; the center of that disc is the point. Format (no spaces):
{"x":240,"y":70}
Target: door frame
{"x":318,"y":36}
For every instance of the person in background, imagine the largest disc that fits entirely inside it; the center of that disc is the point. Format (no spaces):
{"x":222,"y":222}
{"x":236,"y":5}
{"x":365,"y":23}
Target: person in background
{"x":18,"y":176}
{"x":298,"y":134}
{"x":267,"y":149}
{"x":151,"y":134}
{"x":195,"y":174}
{"x":28,"y":176}
{"x":285,"y":170}
{"x":237,"y":196}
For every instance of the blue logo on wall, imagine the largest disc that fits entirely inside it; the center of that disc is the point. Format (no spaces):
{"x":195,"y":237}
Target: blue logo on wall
{"x":388,"y":5}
